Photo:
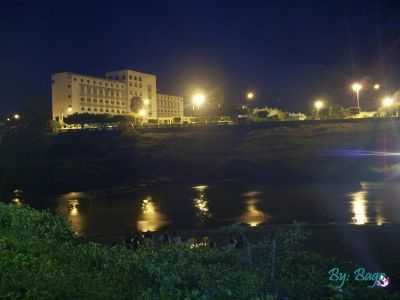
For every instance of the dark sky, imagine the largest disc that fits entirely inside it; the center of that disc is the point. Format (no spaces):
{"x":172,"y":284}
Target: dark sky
{"x":289,"y":52}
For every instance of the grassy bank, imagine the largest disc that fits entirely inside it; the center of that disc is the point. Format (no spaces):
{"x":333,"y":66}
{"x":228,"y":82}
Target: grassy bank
{"x":41,"y":259}
{"x":301,"y":153}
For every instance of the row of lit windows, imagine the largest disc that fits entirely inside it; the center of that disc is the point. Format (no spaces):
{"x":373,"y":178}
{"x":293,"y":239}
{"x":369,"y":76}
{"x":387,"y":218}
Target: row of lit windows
{"x":98,"y":82}
{"x":99,"y":90}
{"x":136,"y":94}
{"x":106,"y":110}
{"x":136,"y":85}
{"x":116,"y":77}
{"x":101,"y":101}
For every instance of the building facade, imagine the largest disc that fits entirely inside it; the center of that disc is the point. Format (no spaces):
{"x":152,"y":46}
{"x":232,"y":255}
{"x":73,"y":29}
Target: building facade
{"x":121,"y":92}
{"x":169,"y":106}
{"x":140,"y":88}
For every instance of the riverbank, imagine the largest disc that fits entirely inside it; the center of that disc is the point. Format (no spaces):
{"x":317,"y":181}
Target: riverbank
{"x":43,"y":260}
{"x":301,"y":153}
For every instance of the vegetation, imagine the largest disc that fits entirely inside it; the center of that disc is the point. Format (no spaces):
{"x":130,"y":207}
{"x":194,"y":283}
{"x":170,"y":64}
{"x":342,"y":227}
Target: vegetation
{"x":98,"y":119}
{"x":41,"y":259}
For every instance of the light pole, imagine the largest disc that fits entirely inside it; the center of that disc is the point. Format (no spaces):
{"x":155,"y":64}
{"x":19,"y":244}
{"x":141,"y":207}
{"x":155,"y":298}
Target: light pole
{"x":318,"y":104}
{"x":357,"y":87}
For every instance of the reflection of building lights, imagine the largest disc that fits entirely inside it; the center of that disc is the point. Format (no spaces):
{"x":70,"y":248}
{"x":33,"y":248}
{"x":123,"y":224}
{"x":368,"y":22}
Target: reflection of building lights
{"x":253,"y":216}
{"x":16,"y":201}
{"x":73,"y":207}
{"x":359,"y":208}
{"x":201,"y":202}
{"x":150,"y":219}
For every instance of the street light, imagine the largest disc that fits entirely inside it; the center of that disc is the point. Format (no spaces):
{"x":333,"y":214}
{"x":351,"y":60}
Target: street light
{"x":146,"y":102}
{"x":318,"y":104}
{"x":250,"y":96}
{"x":69,"y":109}
{"x":377,"y":86}
{"x":142,"y":112}
{"x":8,"y":119}
{"x":387,"y":102}
{"x":198,"y":100}
{"x":357,"y":87}
{"x":17,"y":116}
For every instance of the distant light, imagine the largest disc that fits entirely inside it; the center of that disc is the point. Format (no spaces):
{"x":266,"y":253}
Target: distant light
{"x":377,"y":86}
{"x":199,"y":99}
{"x":250,"y":95}
{"x":142,"y":112}
{"x":8,"y":119}
{"x":356,"y":87}
{"x":146,"y":102}
{"x":387,"y":102}
{"x":69,"y":109}
{"x":318,"y":104}
{"x":17,"y":116}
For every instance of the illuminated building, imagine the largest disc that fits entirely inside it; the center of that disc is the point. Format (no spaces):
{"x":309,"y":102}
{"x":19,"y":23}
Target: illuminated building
{"x":120,"y":92}
{"x":169,"y":107}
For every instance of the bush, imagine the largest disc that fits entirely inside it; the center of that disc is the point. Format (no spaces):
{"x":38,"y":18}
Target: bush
{"x":41,"y":259}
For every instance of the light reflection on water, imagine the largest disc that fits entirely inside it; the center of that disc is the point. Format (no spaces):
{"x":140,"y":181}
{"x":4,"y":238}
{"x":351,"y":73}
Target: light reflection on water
{"x":150,"y":218}
{"x":252,"y":215}
{"x":178,"y":207}
{"x":365,"y":210}
{"x":201,"y":203}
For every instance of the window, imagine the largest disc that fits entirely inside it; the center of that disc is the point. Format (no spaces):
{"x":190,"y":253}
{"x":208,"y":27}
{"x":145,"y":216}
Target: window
{"x":140,"y":85}
{"x":89,"y":100}
{"x":140,"y":78}
{"x":81,"y":80}
{"x":106,"y":101}
{"x":113,"y":110}
{"x":69,"y":96}
{"x":135,"y":78}
{"x":101,"y":109}
{"x":130,"y":77}
{"x":82,"y":108}
{"x":123,"y":77}
{"x":130,"y":84}
{"x":95,"y":109}
{"x":89,"y":109}
{"x":112,"y":102}
{"x":101,"y":100}
{"x":135,"y":84}
{"x":95,"y":100}
{"x":82,"y":99}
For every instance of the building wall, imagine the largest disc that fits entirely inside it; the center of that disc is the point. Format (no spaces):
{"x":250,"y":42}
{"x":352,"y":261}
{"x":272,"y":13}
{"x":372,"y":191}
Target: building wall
{"x":169,"y":106}
{"x":141,"y":86}
{"x":74,"y":93}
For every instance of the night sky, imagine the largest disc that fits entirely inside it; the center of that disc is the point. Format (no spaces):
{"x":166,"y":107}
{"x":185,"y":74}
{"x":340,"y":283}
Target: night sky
{"x":288,"y":52}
